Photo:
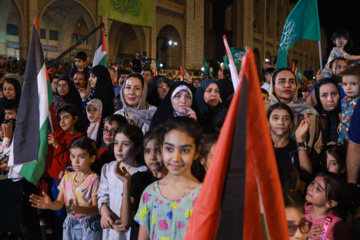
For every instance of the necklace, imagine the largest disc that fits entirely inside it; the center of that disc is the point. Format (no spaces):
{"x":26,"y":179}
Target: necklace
{"x":75,"y":185}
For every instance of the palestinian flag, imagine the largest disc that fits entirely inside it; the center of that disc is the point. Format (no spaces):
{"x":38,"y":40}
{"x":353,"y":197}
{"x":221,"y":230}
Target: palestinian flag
{"x":30,"y":141}
{"x":241,"y":197}
{"x":100,"y":53}
{"x":184,"y":75}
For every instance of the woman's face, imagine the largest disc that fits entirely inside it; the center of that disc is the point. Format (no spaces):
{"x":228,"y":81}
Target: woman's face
{"x":285,"y":86}
{"x":133,"y":91}
{"x":212,"y":95}
{"x":181,"y":100}
{"x":9,"y":91}
{"x":162,"y":90}
{"x":92,"y":80}
{"x":62,"y":88}
{"x":329,"y":96}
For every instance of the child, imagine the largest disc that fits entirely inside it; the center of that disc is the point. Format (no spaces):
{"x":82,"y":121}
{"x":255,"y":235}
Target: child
{"x":297,"y":224}
{"x":10,"y":110}
{"x":336,"y":159}
{"x":326,"y":197}
{"x":340,"y":38}
{"x":265,"y":95}
{"x":207,"y":148}
{"x":127,"y":150}
{"x":78,"y":191}
{"x":166,"y":205}
{"x":351,"y":86}
{"x":280,"y":119}
{"x":58,"y":153}
{"x":140,"y":180}
{"x":111,"y":124}
{"x":80,"y":62}
{"x":94,"y":111}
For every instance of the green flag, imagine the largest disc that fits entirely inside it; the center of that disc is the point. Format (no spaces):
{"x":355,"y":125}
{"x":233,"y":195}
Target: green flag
{"x":138,"y":12}
{"x":299,"y":74}
{"x":206,"y":68}
{"x":237,"y":56}
{"x":302,"y":23}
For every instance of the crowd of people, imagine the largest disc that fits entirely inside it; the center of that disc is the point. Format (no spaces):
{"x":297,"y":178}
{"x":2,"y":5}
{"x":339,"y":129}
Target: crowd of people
{"x":128,"y":151}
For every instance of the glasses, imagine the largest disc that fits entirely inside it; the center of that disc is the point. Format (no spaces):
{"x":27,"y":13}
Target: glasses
{"x":109,"y":132}
{"x":62,"y":85}
{"x":304,"y":227}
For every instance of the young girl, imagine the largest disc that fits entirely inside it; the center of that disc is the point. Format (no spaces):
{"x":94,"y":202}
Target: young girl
{"x":335,"y":159}
{"x":78,"y":191}
{"x":327,"y":197}
{"x":93,"y":111}
{"x":140,"y":180}
{"x":351,"y":86}
{"x":340,"y":38}
{"x":58,"y":154}
{"x":127,"y":148}
{"x":166,"y":205}
{"x":281,"y":118}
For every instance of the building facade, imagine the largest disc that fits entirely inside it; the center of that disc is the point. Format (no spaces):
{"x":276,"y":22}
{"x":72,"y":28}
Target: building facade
{"x":196,"y":26}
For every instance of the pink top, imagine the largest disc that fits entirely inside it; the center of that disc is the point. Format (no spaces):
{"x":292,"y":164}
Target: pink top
{"x":336,"y":230}
{"x":83,"y":193}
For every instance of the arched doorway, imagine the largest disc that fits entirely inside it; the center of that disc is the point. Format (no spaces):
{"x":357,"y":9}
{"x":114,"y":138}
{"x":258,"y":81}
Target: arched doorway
{"x":10,"y":29}
{"x":169,"y":47}
{"x":61,"y":24}
{"x":124,"y":40}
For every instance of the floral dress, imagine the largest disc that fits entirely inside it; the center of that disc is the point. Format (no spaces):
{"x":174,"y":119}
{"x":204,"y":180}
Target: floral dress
{"x":347,"y":107}
{"x":163,"y":218}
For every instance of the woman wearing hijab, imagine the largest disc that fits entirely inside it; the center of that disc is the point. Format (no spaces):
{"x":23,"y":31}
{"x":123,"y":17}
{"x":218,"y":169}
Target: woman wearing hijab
{"x":327,"y":93}
{"x":12,"y":90}
{"x":101,"y":88}
{"x":66,"y":93}
{"x":179,"y":101}
{"x":135,"y":108}
{"x":284,"y":88}
{"x":157,"y":90}
{"x":208,"y":100}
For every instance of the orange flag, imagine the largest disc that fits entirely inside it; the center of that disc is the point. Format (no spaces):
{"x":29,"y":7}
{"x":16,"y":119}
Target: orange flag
{"x":241,"y":197}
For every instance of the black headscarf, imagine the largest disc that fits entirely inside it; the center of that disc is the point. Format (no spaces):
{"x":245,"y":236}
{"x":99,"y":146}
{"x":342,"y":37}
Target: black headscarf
{"x":73,"y":95}
{"x":329,"y":120}
{"x":165,"y":109}
{"x":152,"y":95}
{"x":103,"y":89}
{"x":4,"y":100}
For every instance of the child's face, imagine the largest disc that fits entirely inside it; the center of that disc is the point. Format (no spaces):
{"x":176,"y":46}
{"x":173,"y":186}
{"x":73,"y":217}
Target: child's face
{"x":124,"y":149}
{"x":305,"y":94}
{"x":92,"y":113}
{"x":206,"y":162}
{"x":81,"y":160}
{"x":10,"y":114}
{"x":315,"y":193}
{"x":331,"y":164}
{"x":265,"y":97}
{"x":340,"y":41}
{"x":67,"y":122}
{"x":351,"y":86}
{"x":280,"y":122}
{"x":179,"y":151}
{"x":108,"y":132}
{"x":295,"y":217}
{"x":80,"y":64}
{"x":92,"y":80}
{"x":152,"y":155}
{"x":54,"y":84}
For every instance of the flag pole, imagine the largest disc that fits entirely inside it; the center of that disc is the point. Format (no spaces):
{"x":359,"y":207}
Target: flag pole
{"x":320,"y":55}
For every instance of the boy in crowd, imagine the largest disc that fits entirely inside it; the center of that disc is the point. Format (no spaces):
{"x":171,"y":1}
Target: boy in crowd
{"x":80,"y":62}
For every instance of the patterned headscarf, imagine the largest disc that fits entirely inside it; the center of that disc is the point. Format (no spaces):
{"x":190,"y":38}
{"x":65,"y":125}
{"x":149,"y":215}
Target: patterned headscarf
{"x":93,"y":128}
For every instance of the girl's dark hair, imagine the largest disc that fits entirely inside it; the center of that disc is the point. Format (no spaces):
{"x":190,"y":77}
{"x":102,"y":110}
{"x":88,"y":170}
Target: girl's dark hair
{"x":135,"y":75}
{"x":133,"y":132}
{"x":183,"y":124}
{"x":280,"y":105}
{"x":340,"y":33}
{"x":292,"y":200}
{"x":275,"y":73}
{"x":206,"y":143}
{"x":150,"y":135}
{"x":338,"y":151}
{"x":85,"y":143}
{"x":74,"y":112}
{"x":52,"y":77}
{"x":289,"y":176}
{"x":337,"y":190}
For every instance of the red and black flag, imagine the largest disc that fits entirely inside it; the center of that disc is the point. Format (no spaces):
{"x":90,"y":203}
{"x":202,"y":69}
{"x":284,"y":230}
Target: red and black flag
{"x":241,"y":197}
